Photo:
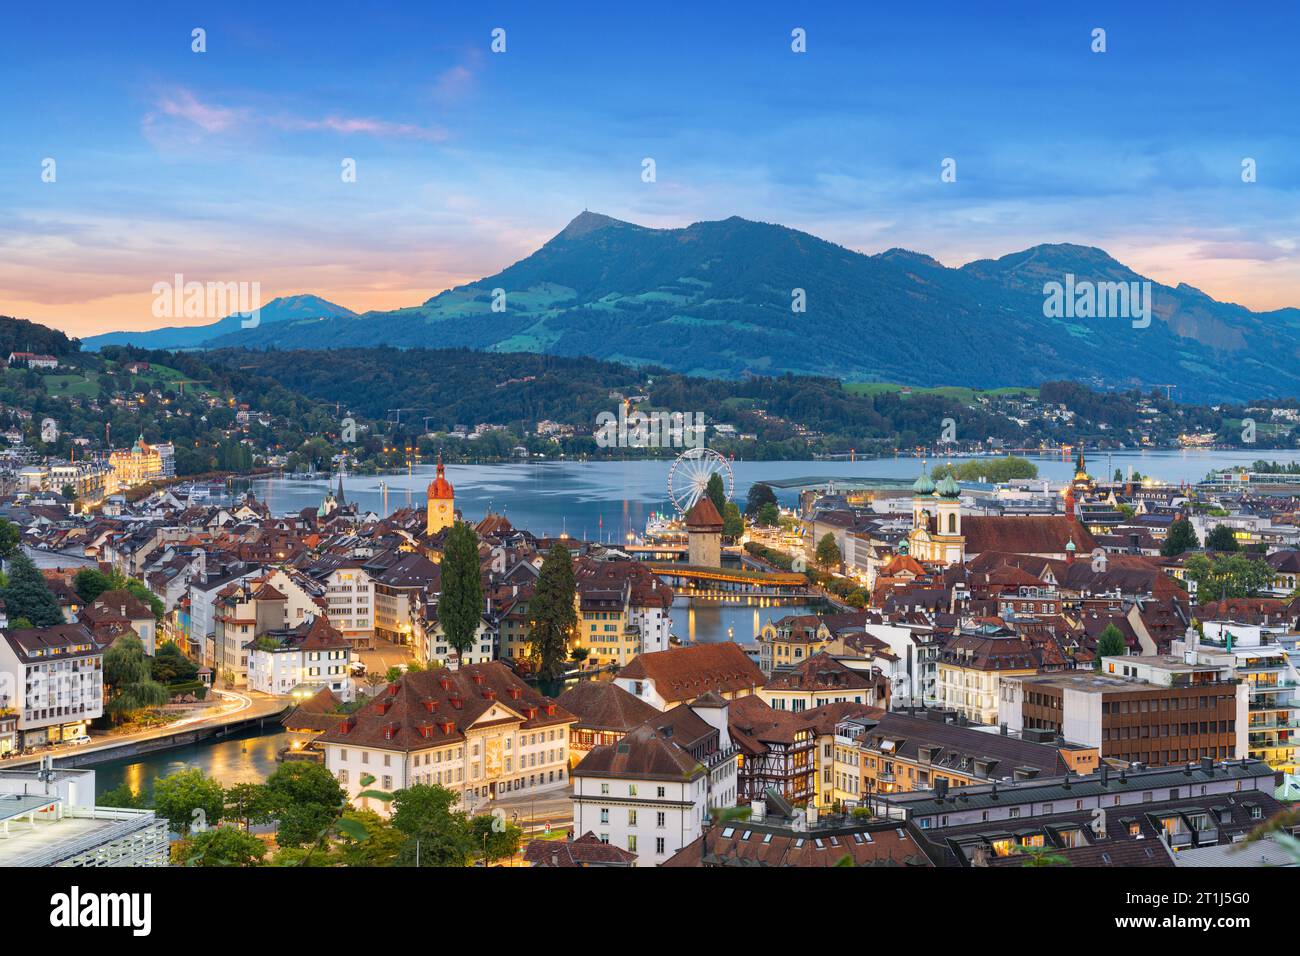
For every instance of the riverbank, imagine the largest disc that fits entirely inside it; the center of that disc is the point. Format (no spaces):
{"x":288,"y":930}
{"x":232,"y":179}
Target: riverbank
{"x":250,"y":715}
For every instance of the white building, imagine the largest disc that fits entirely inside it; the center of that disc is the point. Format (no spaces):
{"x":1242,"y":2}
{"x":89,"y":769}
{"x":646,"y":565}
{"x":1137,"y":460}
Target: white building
{"x":478,"y":730}
{"x":350,"y":598}
{"x":48,"y":817}
{"x":53,"y":679}
{"x":651,"y":792}
{"x":1255,"y":655}
{"x":306,"y":658}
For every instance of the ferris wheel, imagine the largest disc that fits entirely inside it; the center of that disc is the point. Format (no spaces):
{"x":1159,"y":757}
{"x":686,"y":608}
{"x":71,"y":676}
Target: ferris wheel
{"x":689,"y":477}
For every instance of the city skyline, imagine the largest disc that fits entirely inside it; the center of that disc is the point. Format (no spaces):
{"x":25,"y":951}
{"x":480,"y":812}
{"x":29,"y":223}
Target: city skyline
{"x":225,"y":165}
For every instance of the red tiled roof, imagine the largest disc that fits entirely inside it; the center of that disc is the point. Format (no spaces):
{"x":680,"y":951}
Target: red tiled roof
{"x":684,"y":673}
{"x":430,"y":708}
{"x":704,"y":516}
{"x":1025,"y":534}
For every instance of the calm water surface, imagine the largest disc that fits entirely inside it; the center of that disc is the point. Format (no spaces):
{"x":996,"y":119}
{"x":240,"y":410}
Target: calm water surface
{"x":248,"y":758}
{"x":604,"y":500}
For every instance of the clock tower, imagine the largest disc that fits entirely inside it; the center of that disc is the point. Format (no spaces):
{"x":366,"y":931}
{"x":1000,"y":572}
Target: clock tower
{"x":442,"y":502}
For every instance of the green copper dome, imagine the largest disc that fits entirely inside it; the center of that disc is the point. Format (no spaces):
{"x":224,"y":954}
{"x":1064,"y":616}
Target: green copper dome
{"x":923,"y":485}
{"x":948,"y":487}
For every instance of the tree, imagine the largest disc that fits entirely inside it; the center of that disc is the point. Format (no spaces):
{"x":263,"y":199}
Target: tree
{"x":716,"y":492}
{"x":1181,"y":537}
{"x":1041,"y":856}
{"x":552,"y":618}
{"x":10,"y":535}
{"x":460,"y":609}
{"x":170,"y":665}
{"x":1221,"y":539}
{"x":90,"y":583}
{"x":733,"y":525}
{"x":305,"y":799}
{"x":122,"y":796}
{"x":27,"y":595}
{"x":187,"y":799}
{"x":221,"y":846}
{"x":1110,"y":643}
{"x":988,"y":469}
{"x":140,"y":590}
{"x":828,"y":552}
{"x":436,"y":833}
{"x":495,"y":837}
{"x":127,"y":675}
{"x":769,"y":515}
{"x":1231,"y":576}
{"x":760,"y":494}
{"x":249,"y":803}
{"x":381,"y":844}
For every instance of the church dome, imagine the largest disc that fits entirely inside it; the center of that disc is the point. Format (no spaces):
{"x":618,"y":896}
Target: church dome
{"x":948,"y":487}
{"x":923,"y":485}
{"x":440,"y":488}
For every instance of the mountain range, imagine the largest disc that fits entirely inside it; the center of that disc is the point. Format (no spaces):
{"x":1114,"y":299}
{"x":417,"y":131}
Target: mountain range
{"x":715,"y":299}
{"x":284,"y":309}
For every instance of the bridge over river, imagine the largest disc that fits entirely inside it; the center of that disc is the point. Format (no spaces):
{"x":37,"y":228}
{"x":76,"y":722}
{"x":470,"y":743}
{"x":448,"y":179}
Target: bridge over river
{"x":690,"y":580}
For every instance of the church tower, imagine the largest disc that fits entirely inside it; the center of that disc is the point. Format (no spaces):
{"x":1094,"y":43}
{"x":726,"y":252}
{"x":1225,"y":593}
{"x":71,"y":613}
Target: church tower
{"x":442,"y":502}
{"x":936,"y":521}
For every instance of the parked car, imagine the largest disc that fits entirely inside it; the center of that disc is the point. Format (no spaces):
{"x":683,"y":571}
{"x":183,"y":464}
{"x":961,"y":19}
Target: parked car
{"x":78,"y":740}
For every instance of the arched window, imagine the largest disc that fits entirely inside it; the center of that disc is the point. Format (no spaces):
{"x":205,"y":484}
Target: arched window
{"x":952,"y":522}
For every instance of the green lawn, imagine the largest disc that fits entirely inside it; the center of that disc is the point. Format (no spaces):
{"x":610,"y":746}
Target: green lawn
{"x":957,"y":392}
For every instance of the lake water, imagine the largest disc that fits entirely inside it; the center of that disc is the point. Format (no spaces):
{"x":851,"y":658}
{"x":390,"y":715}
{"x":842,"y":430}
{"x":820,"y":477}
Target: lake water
{"x":604,"y":500}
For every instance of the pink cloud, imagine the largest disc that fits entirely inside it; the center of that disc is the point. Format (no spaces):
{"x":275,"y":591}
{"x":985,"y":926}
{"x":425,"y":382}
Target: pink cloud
{"x":207,"y":119}
{"x":182,"y":104}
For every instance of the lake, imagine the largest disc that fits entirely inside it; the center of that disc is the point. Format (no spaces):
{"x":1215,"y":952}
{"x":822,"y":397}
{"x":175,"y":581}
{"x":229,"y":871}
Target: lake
{"x":604,"y":500}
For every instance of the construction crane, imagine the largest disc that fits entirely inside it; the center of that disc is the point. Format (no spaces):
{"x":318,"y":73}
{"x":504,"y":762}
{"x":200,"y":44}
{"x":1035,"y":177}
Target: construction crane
{"x":1169,"y":391}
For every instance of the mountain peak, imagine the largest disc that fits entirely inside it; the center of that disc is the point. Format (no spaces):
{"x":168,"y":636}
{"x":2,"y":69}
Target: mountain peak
{"x":586,"y":222}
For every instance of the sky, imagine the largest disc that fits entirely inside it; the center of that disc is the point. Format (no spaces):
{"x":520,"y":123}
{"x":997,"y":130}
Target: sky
{"x":227,"y":165}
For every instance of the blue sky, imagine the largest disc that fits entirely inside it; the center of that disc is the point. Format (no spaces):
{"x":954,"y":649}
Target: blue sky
{"x":225,"y":165}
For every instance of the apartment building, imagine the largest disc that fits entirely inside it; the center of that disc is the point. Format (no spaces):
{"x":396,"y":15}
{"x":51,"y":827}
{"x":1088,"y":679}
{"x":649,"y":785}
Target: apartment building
{"x":822,"y":679}
{"x":1139,"y":816}
{"x":651,"y":792}
{"x":903,"y":752}
{"x":971,"y":666}
{"x":1255,"y":655}
{"x":52,"y":679}
{"x":301,"y":660}
{"x":1186,"y":712}
{"x":349,"y":598}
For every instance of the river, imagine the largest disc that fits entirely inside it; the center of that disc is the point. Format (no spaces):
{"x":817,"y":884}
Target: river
{"x":246,"y":758}
{"x":605,"y":500}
